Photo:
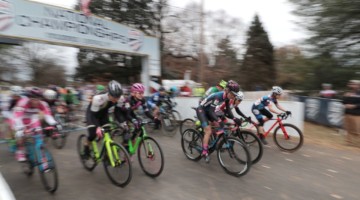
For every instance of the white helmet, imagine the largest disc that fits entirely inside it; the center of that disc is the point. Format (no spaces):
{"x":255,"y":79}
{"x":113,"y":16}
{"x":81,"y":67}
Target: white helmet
{"x":239,"y":96}
{"x":16,"y":90}
{"x":50,"y":94}
{"x":277,"y":90}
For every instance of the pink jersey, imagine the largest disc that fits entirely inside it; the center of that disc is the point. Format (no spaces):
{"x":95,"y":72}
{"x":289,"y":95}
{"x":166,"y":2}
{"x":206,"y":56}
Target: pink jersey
{"x":26,"y":115}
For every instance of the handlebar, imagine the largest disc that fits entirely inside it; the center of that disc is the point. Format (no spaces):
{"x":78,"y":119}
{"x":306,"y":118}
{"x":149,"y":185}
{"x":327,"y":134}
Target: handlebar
{"x":283,"y":116}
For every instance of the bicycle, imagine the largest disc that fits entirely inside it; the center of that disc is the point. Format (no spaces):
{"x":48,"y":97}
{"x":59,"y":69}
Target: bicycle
{"x":57,"y":136}
{"x":114,"y":157}
{"x":225,"y":144}
{"x":286,"y":136}
{"x":151,"y":151}
{"x":37,"y":155}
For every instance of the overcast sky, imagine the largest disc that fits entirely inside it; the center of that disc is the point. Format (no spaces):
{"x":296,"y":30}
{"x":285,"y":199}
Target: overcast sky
{"x":275,"y":15}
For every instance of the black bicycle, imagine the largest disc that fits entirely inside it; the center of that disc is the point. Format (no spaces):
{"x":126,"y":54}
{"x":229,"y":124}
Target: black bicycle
{"x":232,"y":153}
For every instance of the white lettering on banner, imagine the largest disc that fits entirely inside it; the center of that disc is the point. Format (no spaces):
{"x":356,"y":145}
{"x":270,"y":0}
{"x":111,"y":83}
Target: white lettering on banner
{"x":312,"y":108}
{"x":335,"y":113}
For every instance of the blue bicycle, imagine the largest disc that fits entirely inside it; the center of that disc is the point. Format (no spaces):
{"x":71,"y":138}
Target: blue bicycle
{"x":39,"y":156}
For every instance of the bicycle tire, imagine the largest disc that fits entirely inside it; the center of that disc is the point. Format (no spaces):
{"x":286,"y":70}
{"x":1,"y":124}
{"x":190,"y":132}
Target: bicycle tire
{"x":192,"y":140}
{"x":242,"y":160}
{"x":177,"y":116}
{"x":295,"y":132}
{"x":83,"y":159}
{"x":59,"y":140}
{"x":44,"y":157}
{"x":150,"y":156}
{"x":186,"y":124}
{"x":168,"y":124}
{"x":119,"y":163}
{"x":253,"y":144}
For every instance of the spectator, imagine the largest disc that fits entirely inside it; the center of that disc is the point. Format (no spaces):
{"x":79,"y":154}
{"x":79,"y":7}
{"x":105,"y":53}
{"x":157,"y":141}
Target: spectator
{"x":327,"y":92}
{"x":185,"y":90}
{"x":351,"y":101}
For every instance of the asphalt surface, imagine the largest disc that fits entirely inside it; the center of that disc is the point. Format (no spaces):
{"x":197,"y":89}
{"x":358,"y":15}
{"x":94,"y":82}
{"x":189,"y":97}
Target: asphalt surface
{"x":313,"y":172}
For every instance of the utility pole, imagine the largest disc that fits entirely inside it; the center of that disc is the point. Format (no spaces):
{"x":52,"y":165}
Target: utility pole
{"x":201,"y":46}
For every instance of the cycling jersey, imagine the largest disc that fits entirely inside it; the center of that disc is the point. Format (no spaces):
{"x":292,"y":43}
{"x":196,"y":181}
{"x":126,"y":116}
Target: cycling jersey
{"x":221,"y":109}
{"x":27,"y":115}
{"x":131,"y":104}
{"x":156,"y":99}
{"x":264,"y":102}
{"x":206,"y":109}
{"x":97,"y":113}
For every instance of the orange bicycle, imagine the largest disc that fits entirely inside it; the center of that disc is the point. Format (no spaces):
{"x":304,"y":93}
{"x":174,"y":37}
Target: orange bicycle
{"x":286,"y":136}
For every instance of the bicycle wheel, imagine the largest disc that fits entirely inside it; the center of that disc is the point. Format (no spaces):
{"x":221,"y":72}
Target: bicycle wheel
{"x":120,"y":174}
{"x":187,"y":124}
{"x":168,"y":123}
{"x":253,"y":144}
{"x":29,"y":164}
{"x":47,"y":169}
{"x":233,"y":156}
{"x":291,"y":143}
{"x":58,"y":138}
{"x":177,"y":116}
{"x":191,"y":144}
{"x":150,"y":157}
{"x":88,"y":161}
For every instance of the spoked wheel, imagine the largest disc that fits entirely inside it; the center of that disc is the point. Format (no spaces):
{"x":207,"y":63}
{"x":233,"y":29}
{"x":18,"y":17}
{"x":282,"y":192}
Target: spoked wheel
{"x":150,"y":157}
{"x":292,"y":142}
{"x":187,"y":124}
{"x":169,"y":124}
{"x":58,"y":138}
{"x":253,"y":144}
{"x":234,"y":157}
{"x":191,"y":144}
{"x":47,"y":169}
{"x":88,"y":161}
{"x":120,"y":173}
{"x":177,"y":117}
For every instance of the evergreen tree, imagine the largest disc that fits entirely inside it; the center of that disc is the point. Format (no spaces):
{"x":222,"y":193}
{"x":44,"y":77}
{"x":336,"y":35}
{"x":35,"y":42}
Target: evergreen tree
{"x":258,"y":69}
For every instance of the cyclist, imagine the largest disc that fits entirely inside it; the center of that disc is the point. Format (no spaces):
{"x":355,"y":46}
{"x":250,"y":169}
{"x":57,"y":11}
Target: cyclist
{"x":219,"y":87}
{"x":221,"y":110}
{"x":50,"y":97}
{"x":206,"y":112}
{"x":135,"y":101}
{"x":98,"y":111}
{"x":155,"y":101}
{"x":26,"y":113}
{"x":262,"y":114}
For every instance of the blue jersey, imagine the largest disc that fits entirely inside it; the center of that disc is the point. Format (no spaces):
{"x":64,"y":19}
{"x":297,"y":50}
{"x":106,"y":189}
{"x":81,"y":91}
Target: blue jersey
{"x":264,"y":102}
{"x":156,"y":98}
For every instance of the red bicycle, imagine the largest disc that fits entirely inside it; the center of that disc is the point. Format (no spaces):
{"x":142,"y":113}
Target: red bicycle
{"x":286,"y":136}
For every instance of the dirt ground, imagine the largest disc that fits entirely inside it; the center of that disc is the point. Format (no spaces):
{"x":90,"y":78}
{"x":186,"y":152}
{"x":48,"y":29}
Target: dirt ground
{"x":327,"y":136}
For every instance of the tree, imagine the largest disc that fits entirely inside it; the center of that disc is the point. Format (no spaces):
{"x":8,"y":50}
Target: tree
{"x":334,"y":28}
{"x":258,"y":69}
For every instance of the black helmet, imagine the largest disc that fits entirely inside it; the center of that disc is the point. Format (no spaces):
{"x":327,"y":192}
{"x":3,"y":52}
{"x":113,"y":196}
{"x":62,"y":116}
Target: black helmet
{"x":161,"y":89}
{"x":114,"y":89}
{"x":233,"y":87}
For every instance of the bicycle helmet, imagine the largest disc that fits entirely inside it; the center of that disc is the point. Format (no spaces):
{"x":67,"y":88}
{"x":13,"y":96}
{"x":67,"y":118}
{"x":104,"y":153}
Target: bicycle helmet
{"x":240,"y":96}
{"x":34,"y":93}
{"x":50,"y":94}
{"x":161,"y":89}
{"x":114,"y":89}
{"x":222,"y":84}
{"x":233,"y":87}
{"x":277,"y":90}
{"x":137,"y":87}
{"x":16,"y":90}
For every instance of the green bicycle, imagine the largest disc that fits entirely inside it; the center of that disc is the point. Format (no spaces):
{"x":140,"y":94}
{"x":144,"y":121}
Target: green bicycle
{"x":114,"y":156}
{"x":148,"y":150}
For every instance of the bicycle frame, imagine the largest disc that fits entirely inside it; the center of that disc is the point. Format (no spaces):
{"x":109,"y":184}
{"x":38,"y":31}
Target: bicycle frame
{"x":134,"y":147}
{"x":277,"y":122}
{"x":105,"y":147}
{"x":32,"y":144}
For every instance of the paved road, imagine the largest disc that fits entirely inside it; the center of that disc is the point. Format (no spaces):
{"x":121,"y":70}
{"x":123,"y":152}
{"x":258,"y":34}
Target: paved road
{"x":314,"y":172}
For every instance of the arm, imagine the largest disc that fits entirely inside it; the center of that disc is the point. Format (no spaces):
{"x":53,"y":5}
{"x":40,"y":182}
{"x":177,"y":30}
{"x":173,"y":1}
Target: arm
{"x":238,"y":111}
{"x":280,"y":107}
{"x":273,"y":110}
